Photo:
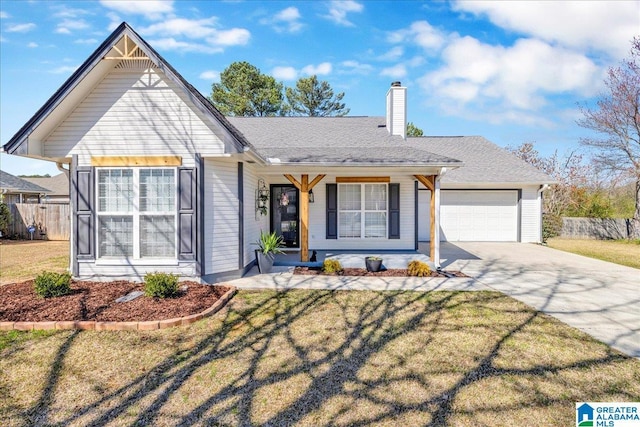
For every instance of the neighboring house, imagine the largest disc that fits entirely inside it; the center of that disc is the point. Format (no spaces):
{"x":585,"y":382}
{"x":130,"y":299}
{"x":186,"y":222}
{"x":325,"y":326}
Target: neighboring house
{"x":162,"y":181}
{"x":14,"y":189}
{"x":58,"y":187}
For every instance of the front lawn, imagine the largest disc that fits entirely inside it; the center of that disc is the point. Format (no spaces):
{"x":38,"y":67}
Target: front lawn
{"x":319,"y":358}
{"x":623,"y":252}
{"x":22,"y":260}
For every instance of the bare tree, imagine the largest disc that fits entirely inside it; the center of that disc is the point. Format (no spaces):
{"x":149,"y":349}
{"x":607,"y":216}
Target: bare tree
{"x":617,"y":119}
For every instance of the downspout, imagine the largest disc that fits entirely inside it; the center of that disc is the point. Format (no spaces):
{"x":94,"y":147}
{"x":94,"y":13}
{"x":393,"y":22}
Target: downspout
{"x":62,"y":169}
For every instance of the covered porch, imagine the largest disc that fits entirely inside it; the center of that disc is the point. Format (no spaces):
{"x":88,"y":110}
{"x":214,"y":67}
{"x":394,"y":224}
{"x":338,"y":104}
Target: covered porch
{"x":316,"y":224}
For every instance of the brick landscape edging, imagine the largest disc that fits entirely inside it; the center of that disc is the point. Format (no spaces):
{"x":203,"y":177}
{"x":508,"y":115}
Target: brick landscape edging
{"x":148,"y":325}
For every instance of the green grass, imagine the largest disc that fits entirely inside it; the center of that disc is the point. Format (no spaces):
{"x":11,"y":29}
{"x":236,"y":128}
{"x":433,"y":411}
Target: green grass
{"x":24,"y":259}
{"x":623,"y":252}
{"x":316,"y":358}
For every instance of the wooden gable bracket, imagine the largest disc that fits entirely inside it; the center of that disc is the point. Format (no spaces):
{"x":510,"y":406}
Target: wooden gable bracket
{"x":429,"y":181}
{"x":131,"y":51}
{"x":304,"y":186}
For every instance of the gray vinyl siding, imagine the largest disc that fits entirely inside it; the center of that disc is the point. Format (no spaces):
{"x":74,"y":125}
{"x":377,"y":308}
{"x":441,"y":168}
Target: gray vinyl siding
{"x":221,"y":217}
{"x":134,"y":112}
{"x":254,"y":222}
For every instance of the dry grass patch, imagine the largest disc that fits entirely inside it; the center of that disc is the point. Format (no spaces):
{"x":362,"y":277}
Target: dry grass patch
{"x":319,"y":358}
{"x":623,"y":252}
{"x":22,"y":260}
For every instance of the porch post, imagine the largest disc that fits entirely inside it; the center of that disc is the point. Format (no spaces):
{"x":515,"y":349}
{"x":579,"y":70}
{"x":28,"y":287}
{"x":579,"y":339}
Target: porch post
{"x":304,"y":186}
{"x":434,"y":245}
{"x":435,"y":224}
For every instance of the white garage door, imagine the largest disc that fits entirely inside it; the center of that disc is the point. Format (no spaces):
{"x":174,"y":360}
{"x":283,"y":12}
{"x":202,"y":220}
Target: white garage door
{"x":480,"y":216}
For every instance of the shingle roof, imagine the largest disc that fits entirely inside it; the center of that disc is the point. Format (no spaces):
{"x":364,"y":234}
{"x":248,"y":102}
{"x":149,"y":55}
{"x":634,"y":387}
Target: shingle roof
{"x":15,"y":184}
{"x":57,"y":185}
{"x":335,"y":141}
{"x":484,"y":161}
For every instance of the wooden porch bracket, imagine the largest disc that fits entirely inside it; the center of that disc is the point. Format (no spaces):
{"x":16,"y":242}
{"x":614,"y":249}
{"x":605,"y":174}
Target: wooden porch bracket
{"x":429,"y":181}
{"x":304,"y":186}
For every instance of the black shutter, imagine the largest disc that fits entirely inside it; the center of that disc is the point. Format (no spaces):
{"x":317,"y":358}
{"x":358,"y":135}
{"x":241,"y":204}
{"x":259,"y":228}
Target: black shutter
{"x":394,"y":211}
{"x":187,"y":217}
{"x":82,"y":187}
{"x":332,"y":211}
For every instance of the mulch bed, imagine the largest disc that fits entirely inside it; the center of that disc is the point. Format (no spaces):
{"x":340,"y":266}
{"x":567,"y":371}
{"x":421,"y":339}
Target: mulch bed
{"x":391,"y":272}
{"x":96,"y":301}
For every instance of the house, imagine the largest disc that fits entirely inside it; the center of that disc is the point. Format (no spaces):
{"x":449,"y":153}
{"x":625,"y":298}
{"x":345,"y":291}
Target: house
{"x":14,"y":189}
{"x":162,"y":181}
{"x":57,"y":185}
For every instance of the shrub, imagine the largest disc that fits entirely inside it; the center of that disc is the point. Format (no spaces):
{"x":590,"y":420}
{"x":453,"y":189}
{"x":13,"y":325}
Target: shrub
{"x":49,"y":284}
{"x":331,"y":266}
{"x":551,"y":226}
{"x":419,"y":269}
{"x":5,"y":218}
{"x":160,"y":285}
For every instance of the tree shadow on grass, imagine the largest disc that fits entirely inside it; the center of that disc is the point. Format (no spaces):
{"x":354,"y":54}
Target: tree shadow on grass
{"x":362,"y":353}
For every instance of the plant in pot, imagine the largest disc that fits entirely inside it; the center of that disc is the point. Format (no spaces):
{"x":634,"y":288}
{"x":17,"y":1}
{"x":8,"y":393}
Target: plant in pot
{"x":373,"y":263}
{"x":269,"y":246}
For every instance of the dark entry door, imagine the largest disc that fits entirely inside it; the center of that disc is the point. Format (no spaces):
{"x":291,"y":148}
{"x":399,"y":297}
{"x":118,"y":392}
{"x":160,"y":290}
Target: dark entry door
{"x":284,"y":213}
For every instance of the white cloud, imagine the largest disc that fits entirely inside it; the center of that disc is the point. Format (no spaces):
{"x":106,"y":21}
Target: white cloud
{"x":191,"y":28}
{"x":319,"y":70}
{"x":284,"y":73}
{"x":393,"y":54}
{"x":32,"y":45}
{"x":20,"y":28}
{"x":287,"y":20}
{"x":3,"y":14}
{"x":114,"y":21}
{"x":64,"y":69}
{"x":63,"y":11}
{"x":338,"y":10}
{"x":170,"y":43}
{"x":86,"y":41}
{"x":602,"y":25}
{"x":204,"y":29}
{"x":396,"y":72}
{"x":232,"y":37}
{"x":517,"y":77}
{"x":210,"y":75}
{"x":67,"y":26}
{"x":355,"y":67}
{"x":150,"y":9}
{"x":420,"y":33}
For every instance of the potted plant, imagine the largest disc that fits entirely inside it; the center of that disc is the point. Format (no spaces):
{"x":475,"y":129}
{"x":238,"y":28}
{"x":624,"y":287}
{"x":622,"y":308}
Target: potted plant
{"x":269,"y":246}
{"x":373,"y":263}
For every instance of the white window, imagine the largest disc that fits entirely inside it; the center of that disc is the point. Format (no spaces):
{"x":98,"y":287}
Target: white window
{"x":137,"y":213}
{"x":362,"y":211}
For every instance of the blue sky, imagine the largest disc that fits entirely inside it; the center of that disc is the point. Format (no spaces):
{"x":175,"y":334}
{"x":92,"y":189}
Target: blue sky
{"x":510,"y":71}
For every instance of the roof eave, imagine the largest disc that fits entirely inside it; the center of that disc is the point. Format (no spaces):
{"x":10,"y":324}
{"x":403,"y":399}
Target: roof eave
{"x":273,"y":162}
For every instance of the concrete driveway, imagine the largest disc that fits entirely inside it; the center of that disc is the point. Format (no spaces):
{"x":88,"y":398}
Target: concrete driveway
{"x":597,"y":297}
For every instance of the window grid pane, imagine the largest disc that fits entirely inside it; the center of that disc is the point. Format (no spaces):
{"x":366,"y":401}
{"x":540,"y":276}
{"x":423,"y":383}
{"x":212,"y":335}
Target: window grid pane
{"x":375,"y":197}
{"x":375,"y":225}
{"x":157,"y":190}
{"x":350,"y":224}
{"x":115,"y":190}
{"x":349,"y":196}
{"x":115,"y":236}
{"x":157,"y":236}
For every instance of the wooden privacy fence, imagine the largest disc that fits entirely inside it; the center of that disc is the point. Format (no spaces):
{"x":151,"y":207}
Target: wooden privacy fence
{"x":51,"y":221}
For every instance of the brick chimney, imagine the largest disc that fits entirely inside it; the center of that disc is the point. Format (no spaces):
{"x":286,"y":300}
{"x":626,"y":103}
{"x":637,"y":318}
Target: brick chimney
{"x":397,"y":110}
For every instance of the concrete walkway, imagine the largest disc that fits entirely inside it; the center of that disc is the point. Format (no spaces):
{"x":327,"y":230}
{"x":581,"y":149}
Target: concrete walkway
{"x":600,"y":298}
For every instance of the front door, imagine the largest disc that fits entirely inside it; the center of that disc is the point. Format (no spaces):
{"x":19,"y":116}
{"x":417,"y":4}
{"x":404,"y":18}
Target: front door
{"x":284,"y":214}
